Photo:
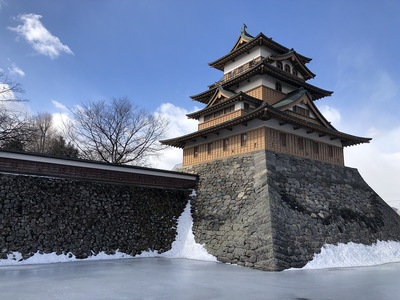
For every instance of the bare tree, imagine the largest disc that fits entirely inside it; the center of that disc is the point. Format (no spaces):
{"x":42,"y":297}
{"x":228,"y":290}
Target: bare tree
{"x":10,"y":90}
{"x":118,"y":132}
{"x":15,"y":129}
{"x":42,"y":123}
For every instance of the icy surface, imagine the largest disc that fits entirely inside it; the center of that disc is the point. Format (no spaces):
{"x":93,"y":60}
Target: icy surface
{"x":161,"y":278}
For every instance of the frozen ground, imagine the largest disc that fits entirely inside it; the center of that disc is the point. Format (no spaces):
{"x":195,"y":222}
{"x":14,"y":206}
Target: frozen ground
{"x":162,"y":278}
{"x":187,"y":271}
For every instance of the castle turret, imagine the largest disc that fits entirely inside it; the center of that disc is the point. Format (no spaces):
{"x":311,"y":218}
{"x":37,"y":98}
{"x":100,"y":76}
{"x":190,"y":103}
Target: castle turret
{"x":262,"y":102}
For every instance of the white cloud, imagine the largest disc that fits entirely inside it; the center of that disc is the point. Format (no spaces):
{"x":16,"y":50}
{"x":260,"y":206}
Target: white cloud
{"x":379,"y":163}
{"x":179,"y":125}
{"x":331,"y":114}
{"x":59,"y":105}
{"x":39,"y":37}
{"x":5,"y":92}
{"x":16,"y":71}
{"x":60,"y":120}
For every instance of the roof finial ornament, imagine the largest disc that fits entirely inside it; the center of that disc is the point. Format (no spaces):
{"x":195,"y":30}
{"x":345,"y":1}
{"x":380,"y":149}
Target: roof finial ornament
{"x":244,"y":29}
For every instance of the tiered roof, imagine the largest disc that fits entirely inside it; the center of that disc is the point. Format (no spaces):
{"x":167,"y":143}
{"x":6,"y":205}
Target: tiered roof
{"x":263,"y":67}
{"x":220,"y":94}
{"x":265,"y":111}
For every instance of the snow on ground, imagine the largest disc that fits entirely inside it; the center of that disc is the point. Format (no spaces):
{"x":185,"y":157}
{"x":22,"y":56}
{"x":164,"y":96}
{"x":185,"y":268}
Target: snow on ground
{"x":355,"y":255}
{"x":185,"y":246}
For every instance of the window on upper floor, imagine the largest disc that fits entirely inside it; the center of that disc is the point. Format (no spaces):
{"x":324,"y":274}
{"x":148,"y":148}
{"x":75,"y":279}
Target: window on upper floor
{"x":283,"y":137}
{"x":315,"y":147}
{"x":279,"y":65}
{"x":301,"y":110}
{"x":330,"y":151}
{"x":229,"y":109}
{"x":243,"y":139}
{"x":295,"y":72}
{"x":196,"y":151}
{"x":225,"y":144}
{"x":219,"y":113}
{"x":209,"y":148}
{"x":300,"y":143}
{"x":246,"y":107}
{"x":278,"y":86}
{"x":287,"y":68}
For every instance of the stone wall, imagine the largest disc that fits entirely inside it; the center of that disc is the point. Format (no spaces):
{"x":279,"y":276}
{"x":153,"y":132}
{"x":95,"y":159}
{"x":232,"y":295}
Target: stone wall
{"x":62,"y":215}
{"x":274,"y":211}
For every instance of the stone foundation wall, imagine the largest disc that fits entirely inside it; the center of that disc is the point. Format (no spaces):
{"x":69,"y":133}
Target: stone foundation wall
{"x":274,"y":211}
{"x":61,"y":215}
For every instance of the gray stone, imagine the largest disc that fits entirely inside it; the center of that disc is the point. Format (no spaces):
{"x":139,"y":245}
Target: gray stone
{"x":293,"y":207}
{"x":84,"y":218}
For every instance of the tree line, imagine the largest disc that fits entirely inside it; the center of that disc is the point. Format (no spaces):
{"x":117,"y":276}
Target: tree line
{"x":115,"y":131}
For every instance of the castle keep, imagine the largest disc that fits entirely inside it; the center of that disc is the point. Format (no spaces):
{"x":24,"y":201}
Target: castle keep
{"x":262,"y":102}
{"x":273,"y":187}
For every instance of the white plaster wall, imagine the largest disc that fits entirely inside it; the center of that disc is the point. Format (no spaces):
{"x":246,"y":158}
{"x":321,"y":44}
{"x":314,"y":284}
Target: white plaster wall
{"x":246,"y":57}
{"x":259,"y":80}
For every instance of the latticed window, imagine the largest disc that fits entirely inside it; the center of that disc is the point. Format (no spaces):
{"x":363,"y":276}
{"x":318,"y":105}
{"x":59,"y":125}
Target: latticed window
{"x":295,"y":72}
{"x":225,"y":144}
{"x":287,"y":68}
{"x":209,"y":148}
{"x":278,"y":86}
{"x":279,"y":65}
{"x":330,"y":151}
{"x":243,"y":139}
{"x":229,"y":109}
{"x":196,"y":151}
{"x":300,"y":143}
{"x":282,"y":137}
{"x":301,"y":110}
{"x":315,"y":147}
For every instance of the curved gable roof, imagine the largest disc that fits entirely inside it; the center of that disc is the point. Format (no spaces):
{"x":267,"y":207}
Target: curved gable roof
{"x":302,"y":96}
{"x":297,"y":62}
{"x":259,"y":40}
{"x":237,"y":97}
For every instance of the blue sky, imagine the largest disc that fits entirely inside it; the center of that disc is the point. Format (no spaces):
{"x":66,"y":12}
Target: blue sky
{"x":157,"y":53}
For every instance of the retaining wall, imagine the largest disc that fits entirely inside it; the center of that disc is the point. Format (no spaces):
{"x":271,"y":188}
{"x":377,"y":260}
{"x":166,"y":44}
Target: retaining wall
{"x":273,"y":211}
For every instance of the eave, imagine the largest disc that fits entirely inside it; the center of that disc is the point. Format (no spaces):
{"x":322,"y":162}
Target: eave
{"x":346,"y":139}
{"x":266,"y":112}
{"x":294,"y":57}
{"x":259,"y":40}
{"x":264,"y":67}
{"x":239,"y":97}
